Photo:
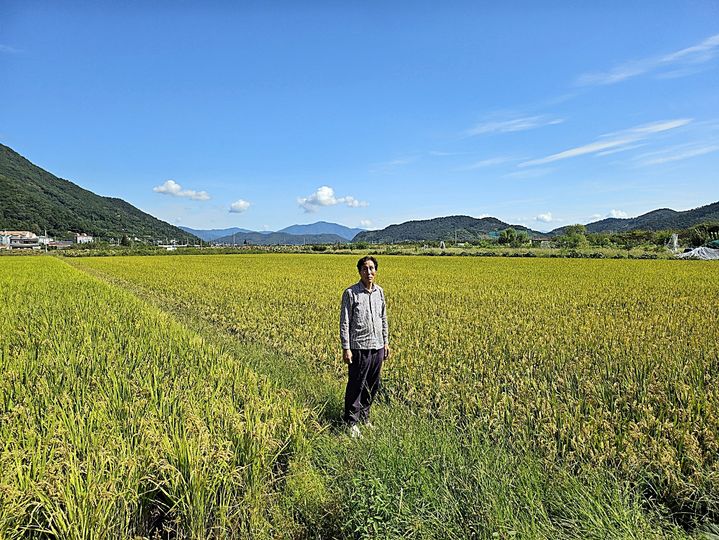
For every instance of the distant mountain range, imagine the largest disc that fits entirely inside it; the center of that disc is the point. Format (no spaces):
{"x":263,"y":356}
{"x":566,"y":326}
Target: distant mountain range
{"x":466,"y":228}
{"x":320,"y":232}
{"x":656,"y":220}
{"x":35,"y":200}
{"x":323,"y":227}
{"x":461,"y":228}
{"x":208,"y":235}
{"x":275,"y":238}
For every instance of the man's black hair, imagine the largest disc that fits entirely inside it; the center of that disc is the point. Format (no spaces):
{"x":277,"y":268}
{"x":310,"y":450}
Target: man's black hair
{"x":363,"y":260}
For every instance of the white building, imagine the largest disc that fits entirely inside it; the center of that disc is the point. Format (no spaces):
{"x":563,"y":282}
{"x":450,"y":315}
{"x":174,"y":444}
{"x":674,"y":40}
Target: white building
{"x":19,"y":240}
{"x":82,"y":238}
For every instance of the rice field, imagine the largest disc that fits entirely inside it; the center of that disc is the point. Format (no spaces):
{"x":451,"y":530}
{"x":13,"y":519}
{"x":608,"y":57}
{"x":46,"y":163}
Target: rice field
{"x":528,"y":398}
{"x":588,"y":363}
{"x":117,"y":422}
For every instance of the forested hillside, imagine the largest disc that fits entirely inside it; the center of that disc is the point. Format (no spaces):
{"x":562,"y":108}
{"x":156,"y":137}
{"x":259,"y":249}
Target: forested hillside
{"x":36,"y":200}
{"x":662,"y":219}
{"x":463,"y":228}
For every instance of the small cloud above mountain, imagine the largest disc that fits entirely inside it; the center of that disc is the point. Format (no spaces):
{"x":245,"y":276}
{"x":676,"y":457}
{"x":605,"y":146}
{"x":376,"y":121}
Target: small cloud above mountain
{"x":545,"y":218}
{"x":172,"y":188}
{"x":239,"y":206}
{"x":325,"y":196}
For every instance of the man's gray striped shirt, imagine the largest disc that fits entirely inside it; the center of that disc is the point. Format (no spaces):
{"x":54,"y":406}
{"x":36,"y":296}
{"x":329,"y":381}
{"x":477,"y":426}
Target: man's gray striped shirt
{"x":363,"y":318}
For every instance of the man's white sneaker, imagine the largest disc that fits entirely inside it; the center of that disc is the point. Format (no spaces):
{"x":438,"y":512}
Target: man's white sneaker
{"x":354,"y":432}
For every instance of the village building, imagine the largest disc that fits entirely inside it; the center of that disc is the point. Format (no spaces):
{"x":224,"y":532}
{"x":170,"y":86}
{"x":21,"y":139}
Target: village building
{"x":82,"y":238}
{"x":19,"y":240}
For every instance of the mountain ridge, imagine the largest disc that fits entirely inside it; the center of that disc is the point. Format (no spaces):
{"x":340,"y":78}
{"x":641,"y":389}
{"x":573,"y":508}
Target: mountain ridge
{"x":323,"y":227}
{"x":37,"y":200}
{"x":275,"y":238}
{"x":208,"y":235}
{"x":309,"y":233}
{"x":654,"y":220}
{"x":462,"y":228}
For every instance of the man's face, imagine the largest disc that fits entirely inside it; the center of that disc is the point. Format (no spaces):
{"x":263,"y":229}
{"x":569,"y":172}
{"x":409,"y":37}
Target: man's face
{"x":367,"y":273}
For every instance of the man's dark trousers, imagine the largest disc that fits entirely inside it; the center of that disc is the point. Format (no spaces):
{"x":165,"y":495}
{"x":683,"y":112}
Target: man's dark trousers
{"x":362,"y":384}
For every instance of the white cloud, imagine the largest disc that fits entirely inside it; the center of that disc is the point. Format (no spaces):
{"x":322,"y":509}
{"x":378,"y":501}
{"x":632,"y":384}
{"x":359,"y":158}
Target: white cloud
{"x":703,"y":52}
{"x":615,"y":75}
{"x":612,"y":141}
{"x":325,"y":196}
{"x":365,"y":223}
{"x":690,"y":56}
{"x":658,"y":127}
{"x":351,"y":202}
{"x":595,"y":216}
{"x":490,"y":162}
{"x":677,"y":153}
{"x":8,"y":50}
{"x":620,"y":149}
{"x":170,"y":187}
{"x":620,"y":214}
{"x":239,"y":206}
{"x":514,"y":124}
{"x":545,"y":218}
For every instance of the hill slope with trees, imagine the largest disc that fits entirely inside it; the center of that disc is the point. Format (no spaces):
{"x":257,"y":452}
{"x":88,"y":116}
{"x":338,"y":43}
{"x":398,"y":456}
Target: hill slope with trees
{"x":463,"y":228}
{"x":663,"y":219}
{"x":36,"y":200}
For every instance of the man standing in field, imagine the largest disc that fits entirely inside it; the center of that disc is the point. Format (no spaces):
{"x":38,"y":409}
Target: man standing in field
{"x":365,"y":344}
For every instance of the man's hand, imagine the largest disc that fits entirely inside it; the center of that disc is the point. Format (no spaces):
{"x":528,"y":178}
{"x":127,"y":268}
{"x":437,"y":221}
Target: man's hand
{"x":386,"y":351}
{"x":347,"y":356}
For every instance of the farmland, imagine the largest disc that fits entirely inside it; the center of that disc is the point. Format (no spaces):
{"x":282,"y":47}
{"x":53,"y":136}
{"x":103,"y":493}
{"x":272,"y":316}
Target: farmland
{"x":117,"y":420}
{"x":539,"y":398}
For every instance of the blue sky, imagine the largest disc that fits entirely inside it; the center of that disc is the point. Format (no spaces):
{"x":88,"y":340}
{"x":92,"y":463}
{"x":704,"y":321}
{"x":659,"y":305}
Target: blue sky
{"x":265,"y":114}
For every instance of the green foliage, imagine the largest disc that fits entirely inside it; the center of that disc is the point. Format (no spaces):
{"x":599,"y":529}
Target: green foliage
{"x":447,"y":229}
{"x":574,"y":237}
{"x":35,"y":200}
{"x":703,"y":233}
{"x":513,"y":238}
{"x":658,"y":220}
{"x":419,"y":478}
